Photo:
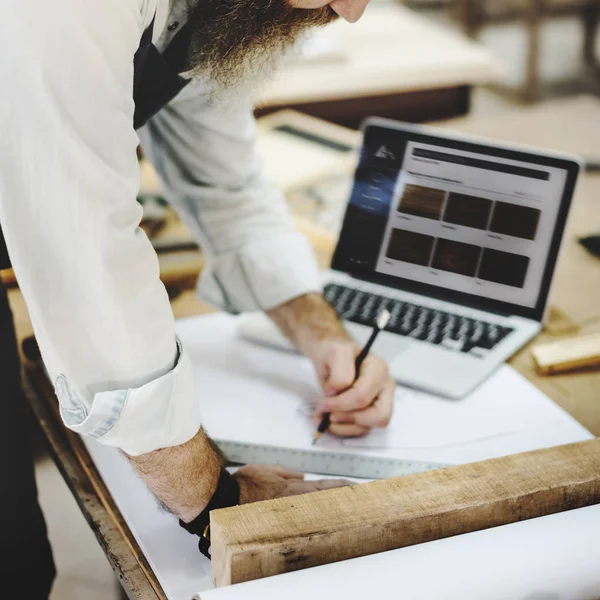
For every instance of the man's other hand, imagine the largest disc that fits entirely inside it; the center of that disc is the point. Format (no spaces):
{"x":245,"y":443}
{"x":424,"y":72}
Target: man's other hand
{"x":267,"y":482}
{"x":358,"y":406}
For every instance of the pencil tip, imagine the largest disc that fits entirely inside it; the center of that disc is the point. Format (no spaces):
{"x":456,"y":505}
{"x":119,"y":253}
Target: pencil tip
{"x":316,"y":438}
{"x":383,"y":319}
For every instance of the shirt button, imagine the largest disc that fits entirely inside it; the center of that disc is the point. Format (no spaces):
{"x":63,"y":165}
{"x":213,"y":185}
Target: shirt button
{"x":173,"y":26}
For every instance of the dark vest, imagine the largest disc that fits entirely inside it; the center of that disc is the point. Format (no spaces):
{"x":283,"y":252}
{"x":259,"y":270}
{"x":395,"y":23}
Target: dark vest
{"x":156,"y":82}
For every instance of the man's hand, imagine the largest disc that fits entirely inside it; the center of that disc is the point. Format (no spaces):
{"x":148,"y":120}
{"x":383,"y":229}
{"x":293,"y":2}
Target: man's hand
{"x":261,"y":482}
{"x":185,"y":477}
{"x":355,"y":407}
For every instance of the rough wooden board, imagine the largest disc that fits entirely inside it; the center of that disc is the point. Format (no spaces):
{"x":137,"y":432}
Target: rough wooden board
{"x":269,"y":538}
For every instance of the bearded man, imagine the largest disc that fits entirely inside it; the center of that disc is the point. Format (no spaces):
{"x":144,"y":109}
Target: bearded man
{"x":82,"y":79}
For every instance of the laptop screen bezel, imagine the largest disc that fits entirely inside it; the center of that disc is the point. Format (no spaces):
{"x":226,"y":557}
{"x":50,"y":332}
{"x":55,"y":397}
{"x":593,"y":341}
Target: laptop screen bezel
{"x":457,"y":141}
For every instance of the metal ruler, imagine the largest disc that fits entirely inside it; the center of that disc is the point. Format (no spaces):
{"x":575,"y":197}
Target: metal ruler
{"x":323,"y":461}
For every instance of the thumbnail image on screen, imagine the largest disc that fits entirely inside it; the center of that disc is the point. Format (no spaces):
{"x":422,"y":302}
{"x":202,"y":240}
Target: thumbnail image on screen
{"x":517,"y":221}
{"x":456,"y":257}
{"x":422,"y":201}
{"x":410,"y":247}
{"x":470,"y":211}
{"x":470,"y":260}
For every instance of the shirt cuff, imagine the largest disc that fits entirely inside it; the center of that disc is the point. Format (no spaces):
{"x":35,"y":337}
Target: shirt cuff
{"x":262,"y":276}
{"x":162,"y":413}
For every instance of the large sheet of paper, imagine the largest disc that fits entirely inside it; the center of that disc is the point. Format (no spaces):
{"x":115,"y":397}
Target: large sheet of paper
{"x":250,"y":393}
{"x":556,"y":558}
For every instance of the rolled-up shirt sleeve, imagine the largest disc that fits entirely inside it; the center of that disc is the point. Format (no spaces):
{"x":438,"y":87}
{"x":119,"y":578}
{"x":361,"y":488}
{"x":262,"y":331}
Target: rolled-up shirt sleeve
{"x":68,"y":183}
{"x":205,"y":154}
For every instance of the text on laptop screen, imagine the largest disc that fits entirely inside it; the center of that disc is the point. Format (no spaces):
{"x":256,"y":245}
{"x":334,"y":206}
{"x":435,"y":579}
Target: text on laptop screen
{"x":470,"y":221}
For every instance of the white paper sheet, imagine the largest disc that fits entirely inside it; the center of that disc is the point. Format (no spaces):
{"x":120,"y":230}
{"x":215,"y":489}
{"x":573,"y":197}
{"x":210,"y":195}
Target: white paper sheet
{"x":271,"y":394}
{"x":256,"y":394}
{"x":551,"y":558}
{"x":422,"y":420}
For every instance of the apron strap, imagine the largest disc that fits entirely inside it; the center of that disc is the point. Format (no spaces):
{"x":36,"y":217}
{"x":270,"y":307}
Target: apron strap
{"x":156,"y":76}
{"x":140,"y":56}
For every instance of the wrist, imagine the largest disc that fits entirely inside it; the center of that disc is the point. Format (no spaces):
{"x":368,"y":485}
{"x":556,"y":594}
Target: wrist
{"x":227,"y":494}
{"x":183,"y":478}
{"x":307,"y":321}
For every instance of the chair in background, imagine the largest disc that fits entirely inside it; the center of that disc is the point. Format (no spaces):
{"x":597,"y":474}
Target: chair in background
{"x":476,"y":14}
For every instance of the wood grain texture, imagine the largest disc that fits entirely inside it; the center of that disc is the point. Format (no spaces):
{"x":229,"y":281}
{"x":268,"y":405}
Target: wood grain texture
{"x":269,"y":538}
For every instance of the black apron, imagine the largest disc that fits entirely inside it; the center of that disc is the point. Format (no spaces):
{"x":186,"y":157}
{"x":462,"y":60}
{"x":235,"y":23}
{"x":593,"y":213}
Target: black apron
{"x":156,"y":82}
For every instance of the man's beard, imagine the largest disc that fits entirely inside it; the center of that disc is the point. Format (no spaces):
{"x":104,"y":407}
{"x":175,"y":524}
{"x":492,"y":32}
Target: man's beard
{"x":239,"y":42}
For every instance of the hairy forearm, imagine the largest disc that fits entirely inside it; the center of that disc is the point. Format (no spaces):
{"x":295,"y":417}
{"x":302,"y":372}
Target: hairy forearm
{"x":308,"y":319}
{"x":183,"y":478}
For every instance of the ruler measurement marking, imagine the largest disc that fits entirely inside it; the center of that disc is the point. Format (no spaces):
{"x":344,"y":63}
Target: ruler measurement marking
{"x":324,"y":462}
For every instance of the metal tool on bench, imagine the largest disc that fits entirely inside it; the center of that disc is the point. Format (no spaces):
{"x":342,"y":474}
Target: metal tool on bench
{"x":324,"y":462}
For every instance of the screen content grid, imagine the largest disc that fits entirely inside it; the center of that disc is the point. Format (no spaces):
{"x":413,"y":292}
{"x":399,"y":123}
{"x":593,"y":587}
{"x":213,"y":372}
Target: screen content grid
{"x":461,"y":220}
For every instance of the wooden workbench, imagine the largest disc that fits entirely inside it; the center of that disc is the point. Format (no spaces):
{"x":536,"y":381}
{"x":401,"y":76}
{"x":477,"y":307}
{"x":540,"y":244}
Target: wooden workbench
{"x":575,"y":298}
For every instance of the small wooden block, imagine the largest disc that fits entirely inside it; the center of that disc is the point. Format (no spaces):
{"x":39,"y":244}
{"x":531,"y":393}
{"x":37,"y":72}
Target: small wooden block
{"x":567,"y":354}
{"x":288,"y":534}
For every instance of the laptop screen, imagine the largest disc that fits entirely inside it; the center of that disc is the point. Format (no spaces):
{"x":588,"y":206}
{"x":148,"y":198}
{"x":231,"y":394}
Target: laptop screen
{"x":431,"y":213}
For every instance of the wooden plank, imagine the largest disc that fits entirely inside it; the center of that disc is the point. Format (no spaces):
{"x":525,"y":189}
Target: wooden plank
{"x":567,"y":354}
{"x":288,"y":534}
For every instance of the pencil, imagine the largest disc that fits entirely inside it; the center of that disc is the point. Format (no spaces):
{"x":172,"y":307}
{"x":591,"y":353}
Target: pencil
{"x":381,"y":323}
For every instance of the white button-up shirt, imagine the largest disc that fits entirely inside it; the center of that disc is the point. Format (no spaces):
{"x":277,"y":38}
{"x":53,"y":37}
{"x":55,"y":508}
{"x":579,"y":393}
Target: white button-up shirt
{"x":69,"y":177}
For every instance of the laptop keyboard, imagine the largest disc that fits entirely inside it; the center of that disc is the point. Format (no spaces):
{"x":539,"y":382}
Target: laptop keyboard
{"x":451,"y":331}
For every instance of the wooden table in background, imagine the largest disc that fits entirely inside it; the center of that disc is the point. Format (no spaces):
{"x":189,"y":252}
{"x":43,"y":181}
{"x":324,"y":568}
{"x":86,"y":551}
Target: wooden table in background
{"x":573,"y":126}
{"x":574,"y":296}
{"x":393,"y":63}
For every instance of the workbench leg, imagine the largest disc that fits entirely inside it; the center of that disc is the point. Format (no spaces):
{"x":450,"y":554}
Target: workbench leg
{"x":591,"y":18}
{"x":533,"y":20}
{"x":469,"y":13}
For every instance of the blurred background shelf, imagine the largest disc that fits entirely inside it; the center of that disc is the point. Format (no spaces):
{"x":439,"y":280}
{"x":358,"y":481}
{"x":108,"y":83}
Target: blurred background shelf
{"x":474,"y":15}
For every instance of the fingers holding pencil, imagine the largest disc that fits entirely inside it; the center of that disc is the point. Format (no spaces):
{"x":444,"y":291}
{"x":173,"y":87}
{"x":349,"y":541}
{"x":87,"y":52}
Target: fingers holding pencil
{"x":367,"y":404}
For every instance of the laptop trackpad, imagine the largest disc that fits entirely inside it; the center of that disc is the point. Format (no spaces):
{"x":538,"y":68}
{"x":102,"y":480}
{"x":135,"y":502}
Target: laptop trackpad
{"x":436,"y":369}
{"x":387,"y":345}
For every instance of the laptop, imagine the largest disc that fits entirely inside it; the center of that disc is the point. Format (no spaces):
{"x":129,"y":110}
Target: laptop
{"x":458,"y":239}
